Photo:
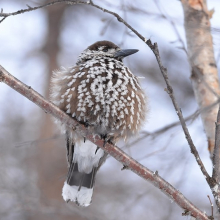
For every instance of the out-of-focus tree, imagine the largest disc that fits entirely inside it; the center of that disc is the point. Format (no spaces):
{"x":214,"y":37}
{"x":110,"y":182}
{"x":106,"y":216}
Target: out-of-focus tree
{"x":204,"y":69}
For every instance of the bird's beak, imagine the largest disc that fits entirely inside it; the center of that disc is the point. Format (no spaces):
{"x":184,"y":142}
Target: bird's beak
{"x":124,"y":53}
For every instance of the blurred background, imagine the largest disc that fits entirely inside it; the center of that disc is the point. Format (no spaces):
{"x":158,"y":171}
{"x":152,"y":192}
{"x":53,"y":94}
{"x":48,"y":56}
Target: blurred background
{"x":32,"y":151}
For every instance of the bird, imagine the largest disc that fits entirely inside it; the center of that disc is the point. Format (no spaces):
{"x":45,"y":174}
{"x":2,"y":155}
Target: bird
{"x":100,"y":92}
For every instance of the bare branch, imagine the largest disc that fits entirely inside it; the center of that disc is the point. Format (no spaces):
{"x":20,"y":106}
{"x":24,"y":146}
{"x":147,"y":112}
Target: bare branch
{"x":37,"y":142}
{"x":211,"y":217}
{"x":5,"y":15}
{"x":173,"y":25}
{"x":216,"y":162}
{"x":156,"y":133}
{"x":170,"y":92}
{"x":114,"y":151}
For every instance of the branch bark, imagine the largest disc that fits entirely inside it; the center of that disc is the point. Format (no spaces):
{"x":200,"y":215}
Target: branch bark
{"x":114,"y":151}
{"x":216,"y":163}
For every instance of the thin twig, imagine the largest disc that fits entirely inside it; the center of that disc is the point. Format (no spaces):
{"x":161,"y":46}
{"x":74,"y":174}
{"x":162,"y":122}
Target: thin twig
{"x":157,"y":151}
{"x":170,"y":92}
{"x":156,"y":133}
{"x":211,"y":217}
{"x":173,"y":25}
{"x":215,"y":161}
{"x":29,"y":9}
{"x":37,"y":142}
{"x":114,"y":151}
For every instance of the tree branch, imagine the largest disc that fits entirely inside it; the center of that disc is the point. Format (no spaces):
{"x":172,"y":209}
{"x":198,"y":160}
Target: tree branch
{"x":156,"y":133}
{"x":29,"y":9}
{"x":170,"y":92}
{"x":216,"y":163}
{"x":114,"y":151}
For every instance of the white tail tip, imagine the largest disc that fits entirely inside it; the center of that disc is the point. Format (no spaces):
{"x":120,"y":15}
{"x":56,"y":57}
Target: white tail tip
{"x":82,"y":197}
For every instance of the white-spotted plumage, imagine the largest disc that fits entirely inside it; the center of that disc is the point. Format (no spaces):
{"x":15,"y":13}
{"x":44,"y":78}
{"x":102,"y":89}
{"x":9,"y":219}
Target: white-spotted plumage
{"x":102,"y":93}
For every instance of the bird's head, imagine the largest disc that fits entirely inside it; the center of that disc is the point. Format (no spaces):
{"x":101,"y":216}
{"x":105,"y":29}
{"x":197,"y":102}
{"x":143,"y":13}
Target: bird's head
{"x":105,"y":49}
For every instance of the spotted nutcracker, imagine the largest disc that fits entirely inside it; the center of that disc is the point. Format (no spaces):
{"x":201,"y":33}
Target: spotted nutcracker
{"x":102,"y":93}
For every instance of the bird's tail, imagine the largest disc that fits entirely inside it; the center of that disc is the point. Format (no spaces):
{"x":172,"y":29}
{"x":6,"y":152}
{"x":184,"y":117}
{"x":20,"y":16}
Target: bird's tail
{"x":78,"y":187}
{"x":83,"y":167}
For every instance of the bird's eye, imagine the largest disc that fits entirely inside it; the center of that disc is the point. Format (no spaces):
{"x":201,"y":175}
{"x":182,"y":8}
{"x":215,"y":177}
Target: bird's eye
{"x":105,"y":50}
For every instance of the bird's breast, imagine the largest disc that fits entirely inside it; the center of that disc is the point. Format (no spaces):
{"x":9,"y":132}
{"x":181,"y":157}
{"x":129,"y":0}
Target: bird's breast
{"x":103,"y":93}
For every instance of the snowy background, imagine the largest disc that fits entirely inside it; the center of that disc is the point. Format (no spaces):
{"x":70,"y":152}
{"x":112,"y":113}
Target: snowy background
{"x":32,"y":151}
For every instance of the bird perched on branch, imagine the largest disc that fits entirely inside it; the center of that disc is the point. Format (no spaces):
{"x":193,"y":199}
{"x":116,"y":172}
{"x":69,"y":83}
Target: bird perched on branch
{"x":102,"y":93}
